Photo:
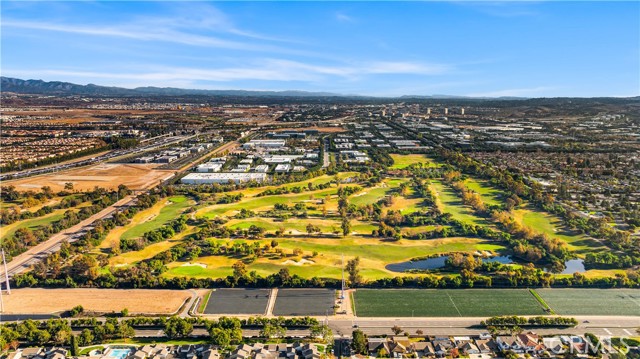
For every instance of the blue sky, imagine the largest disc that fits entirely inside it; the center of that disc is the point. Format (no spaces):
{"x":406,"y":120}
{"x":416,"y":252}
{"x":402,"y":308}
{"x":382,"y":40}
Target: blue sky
{"x":371,"y":48}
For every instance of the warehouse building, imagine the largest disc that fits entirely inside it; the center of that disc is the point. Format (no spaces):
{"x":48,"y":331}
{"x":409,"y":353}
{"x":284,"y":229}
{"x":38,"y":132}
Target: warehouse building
{"x":264,"y":144}
{"x":209,"y":167}
{"x":222,"y":178}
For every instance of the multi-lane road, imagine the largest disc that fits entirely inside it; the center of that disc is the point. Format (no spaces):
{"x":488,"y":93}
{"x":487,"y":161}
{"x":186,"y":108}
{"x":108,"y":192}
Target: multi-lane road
{"x":36,"y":253}
{"x":109,"y":156}
{"x":23,"y":261}
{"x":598,"y":325}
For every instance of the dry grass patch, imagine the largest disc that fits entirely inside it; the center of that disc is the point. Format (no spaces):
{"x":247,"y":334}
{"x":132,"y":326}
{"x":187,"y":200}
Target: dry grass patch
{"x":105,"y":175}
{"x":137,"y":301}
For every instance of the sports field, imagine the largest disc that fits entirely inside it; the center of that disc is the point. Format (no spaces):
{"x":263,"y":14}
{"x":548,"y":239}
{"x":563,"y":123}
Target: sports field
{"x":238,"y":301}
{"x":300,"y":302}
{"x":588,"y":301}
{"x":445,"y":302}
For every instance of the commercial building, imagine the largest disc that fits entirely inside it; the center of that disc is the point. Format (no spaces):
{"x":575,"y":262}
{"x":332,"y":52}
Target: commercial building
{"x":262,"y":168}
{"x":263,"y":144}
{"x":282,"y":168}
{"x":209,"y":167}
{"x":281,"y":158}
{"x":222,"y":178}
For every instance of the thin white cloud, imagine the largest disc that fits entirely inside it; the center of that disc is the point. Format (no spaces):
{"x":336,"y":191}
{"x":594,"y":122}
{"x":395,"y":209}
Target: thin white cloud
{"x":342,"y":17}
{"x":276,"y":70}
{"x":520,"y":92}
{"x":192,"y":24}
{"x":142,"y":34}
{"x":408,"y":68}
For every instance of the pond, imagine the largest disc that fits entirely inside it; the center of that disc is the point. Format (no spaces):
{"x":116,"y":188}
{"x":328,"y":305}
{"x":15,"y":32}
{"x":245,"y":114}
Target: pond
{"x":573,"y":266}
{"x":436,"y":263}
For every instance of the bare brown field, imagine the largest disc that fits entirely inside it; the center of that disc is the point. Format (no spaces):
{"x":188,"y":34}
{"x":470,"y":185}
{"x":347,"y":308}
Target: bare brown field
{"x":137,"y":301}
{"x":105,"y":175}
{"x":87,"y":113}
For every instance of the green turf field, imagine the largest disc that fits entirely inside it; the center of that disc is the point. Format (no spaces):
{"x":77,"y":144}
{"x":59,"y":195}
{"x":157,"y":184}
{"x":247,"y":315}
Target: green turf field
{"x":588,"y":301}
{"x":445,"y":302}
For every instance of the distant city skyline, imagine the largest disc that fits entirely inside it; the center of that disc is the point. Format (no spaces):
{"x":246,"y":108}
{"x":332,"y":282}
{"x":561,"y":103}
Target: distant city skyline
{"x":527,"y":49}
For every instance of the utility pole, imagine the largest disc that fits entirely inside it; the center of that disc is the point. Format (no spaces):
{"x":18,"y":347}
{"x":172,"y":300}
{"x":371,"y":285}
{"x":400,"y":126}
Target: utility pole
{"x":6,"y":273}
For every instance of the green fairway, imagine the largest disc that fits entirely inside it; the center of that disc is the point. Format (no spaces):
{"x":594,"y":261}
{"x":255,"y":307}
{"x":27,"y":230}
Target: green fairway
{"x":373,"y":195}
{"x":265,"y":269}
{"x":449,"y":202}
{"x":299,"y":225}
{"x":588,"y":301}
{"x":490,"y":195}
{"x":404,"y":161}
{"x":265,"y":202}
{"x":553,"y":227}
{"x":374,"y":254}
{"x":390,"y":252}
{"x":33,"y":223}
{"x":445,"y":302}
{"x":171,"y":211}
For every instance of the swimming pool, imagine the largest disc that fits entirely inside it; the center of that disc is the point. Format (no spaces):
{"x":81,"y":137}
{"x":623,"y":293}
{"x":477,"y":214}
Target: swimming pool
{"x":119,"y":353}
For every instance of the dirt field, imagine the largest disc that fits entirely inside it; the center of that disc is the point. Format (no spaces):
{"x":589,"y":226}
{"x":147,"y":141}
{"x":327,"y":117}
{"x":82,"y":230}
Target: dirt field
{"x":105,"y":175}
{"x":138,"y":301}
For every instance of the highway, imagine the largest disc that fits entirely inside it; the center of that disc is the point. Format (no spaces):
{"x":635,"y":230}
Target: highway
{"x":36,"y":253}
{"x":325,"y":158}
{"x":598,"y":325}
{"x":111,"y":155}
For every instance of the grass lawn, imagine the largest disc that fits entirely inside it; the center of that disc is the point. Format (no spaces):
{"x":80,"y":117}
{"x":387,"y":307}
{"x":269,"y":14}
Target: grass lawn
{"x":589,"y":301}
{"x":445,"y":302}
{"x":86,"y":351}
{"x":404,"y":161}
{"x":203,"y":302}
{"x":172,"y":208}
{"x":553,"y":227}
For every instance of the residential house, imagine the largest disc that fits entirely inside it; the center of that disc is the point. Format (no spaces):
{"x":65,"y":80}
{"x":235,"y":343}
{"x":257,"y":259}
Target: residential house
{"x":509,"y":343}
{"x":530,"y":343}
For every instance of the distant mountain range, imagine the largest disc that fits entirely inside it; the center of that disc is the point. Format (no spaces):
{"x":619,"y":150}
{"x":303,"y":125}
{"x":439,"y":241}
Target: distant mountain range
{"x":9,"y":84}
